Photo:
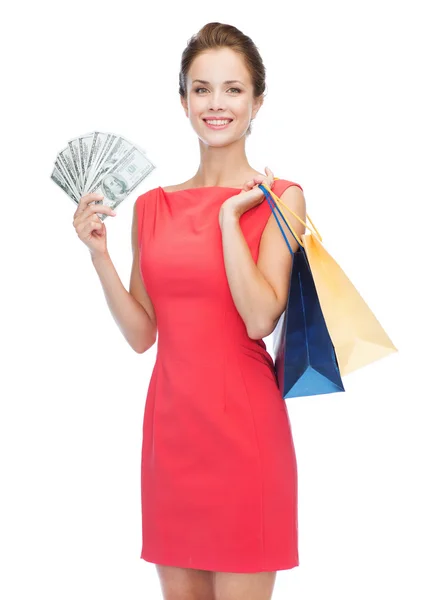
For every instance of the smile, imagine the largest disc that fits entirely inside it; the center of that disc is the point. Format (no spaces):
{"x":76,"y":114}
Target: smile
{"x":217,"y":123}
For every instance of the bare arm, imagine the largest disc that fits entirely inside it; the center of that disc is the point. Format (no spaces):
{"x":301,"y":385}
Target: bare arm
{"x":260,"y":290}
{"x":132,"y":310}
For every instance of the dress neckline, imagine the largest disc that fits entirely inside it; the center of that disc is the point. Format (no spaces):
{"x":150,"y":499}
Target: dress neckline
{"x":205,"y":187}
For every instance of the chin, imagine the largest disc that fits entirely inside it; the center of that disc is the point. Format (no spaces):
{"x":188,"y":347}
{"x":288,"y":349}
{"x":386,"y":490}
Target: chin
{"x":218,"y":141}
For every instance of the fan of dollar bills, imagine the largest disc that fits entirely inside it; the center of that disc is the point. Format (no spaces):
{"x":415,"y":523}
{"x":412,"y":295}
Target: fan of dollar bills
{"x":101,"y":163}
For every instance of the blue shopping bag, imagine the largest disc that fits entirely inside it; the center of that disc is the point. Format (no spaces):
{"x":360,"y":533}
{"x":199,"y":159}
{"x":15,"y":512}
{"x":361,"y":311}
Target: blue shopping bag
{"x":305,"y":359}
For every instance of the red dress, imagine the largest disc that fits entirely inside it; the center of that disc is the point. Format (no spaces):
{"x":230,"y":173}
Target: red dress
{"x":219,"y":471}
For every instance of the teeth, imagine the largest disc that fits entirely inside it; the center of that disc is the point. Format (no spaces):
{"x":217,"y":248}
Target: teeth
{"x":218,"y":122}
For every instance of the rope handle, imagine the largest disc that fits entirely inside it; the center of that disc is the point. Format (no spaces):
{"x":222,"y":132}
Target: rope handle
{"x":277,"y":199}
{"x":274,"y":206}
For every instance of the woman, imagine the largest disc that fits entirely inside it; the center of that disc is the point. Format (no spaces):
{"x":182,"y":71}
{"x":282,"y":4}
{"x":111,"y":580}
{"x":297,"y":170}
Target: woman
{"x":210,"y":279}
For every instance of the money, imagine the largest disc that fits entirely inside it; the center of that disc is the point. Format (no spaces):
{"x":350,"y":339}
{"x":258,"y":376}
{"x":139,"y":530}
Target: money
{"x":102,"y":163}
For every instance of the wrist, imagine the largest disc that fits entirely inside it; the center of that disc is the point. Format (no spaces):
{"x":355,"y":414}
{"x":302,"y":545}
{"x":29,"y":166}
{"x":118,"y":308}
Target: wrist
{"x":227,"y":214}
{"x":97,"y":257}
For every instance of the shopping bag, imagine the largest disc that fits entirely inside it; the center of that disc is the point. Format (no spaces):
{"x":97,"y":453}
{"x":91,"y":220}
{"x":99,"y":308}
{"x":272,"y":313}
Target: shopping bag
{"x":305,"y":360}
{"x":358,"y":337}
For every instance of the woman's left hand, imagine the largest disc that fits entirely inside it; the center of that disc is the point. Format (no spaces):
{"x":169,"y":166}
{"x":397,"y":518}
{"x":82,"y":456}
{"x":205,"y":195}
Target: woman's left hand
{"x":249,"y":196}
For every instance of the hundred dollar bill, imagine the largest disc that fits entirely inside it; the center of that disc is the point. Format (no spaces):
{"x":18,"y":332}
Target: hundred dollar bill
{"x":68,"y":165}
{"x":104,"y":144}
{"x":116,"y":148}
{"x":62,"y":167}
{"x":74,"y":153}
{"x":85,"y":144}
{"x":100,"y":162}
{"x":79,"y":150}
{"x":121,"y":178}
{"x":136,"y":146}
{"x":93,"y":149}
{"x":58,"y":178}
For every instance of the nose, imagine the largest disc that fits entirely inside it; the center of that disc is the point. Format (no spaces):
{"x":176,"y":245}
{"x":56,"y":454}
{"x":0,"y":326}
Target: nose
{"x":216,"y":101}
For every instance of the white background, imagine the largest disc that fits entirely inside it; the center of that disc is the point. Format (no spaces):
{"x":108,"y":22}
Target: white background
{"x":347,"y":115}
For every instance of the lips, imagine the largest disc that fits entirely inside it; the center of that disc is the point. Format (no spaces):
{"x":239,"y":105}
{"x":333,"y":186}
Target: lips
{"x":217,"y":127}
{"x":224,"y":124}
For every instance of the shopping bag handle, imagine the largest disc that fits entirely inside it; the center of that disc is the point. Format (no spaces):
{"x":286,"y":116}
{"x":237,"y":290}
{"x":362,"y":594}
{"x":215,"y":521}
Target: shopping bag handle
{"x":274,"y":205}
{"x":276,"y":199}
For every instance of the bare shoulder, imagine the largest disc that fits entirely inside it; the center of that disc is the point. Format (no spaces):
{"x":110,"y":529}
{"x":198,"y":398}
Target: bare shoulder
{"x":178,"y":187}
{"x":293,"y":198}
{"x":273,"y":246}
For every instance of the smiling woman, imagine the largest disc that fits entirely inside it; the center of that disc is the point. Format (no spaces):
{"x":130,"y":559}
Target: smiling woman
{"x":238,"y":55}
{"x":219,"y":473}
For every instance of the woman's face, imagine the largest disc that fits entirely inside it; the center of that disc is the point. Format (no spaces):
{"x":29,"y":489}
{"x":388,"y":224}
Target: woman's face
{"x":217,"y":99}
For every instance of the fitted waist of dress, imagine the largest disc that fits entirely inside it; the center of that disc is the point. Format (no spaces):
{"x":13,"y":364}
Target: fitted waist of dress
{"x":202,"y":346}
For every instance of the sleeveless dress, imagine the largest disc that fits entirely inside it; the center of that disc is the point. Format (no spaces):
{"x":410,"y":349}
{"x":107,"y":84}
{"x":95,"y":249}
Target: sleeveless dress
{"x":219,"y":470}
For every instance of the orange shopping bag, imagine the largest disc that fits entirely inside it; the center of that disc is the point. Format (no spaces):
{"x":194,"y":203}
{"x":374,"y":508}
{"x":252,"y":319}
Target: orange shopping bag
{"x":356,"y":334}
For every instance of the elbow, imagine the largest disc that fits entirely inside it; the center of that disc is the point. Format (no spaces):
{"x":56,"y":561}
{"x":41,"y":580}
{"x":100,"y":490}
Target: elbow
{"x":146,"y":346}
{"x":265,"y":326}
{"x":259,"y":331}
{"x":143,"y":349}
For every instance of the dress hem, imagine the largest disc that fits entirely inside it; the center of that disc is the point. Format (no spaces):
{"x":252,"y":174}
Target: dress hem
{"x":223,"y":568}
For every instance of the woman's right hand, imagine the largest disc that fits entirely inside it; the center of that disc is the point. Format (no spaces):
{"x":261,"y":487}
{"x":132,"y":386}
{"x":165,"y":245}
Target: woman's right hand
{"x":90,"y":228}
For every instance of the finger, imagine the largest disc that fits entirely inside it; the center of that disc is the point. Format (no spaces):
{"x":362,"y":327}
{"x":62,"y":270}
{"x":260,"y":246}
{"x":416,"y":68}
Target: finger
{"x":87,"y":198}
{"x":90,"y":227}
{"x":85,"y":228}
{"x":266,"y":183}
{"x":82,"y":215}
{"x":84,"y":201}
{"x":270,"y":175}
{"x":264,"y":180}
{"x":101,"y":208}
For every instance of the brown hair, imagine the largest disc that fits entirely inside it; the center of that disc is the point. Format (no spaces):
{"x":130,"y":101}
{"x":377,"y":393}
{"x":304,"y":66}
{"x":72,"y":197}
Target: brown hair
{"x":220,"y":35}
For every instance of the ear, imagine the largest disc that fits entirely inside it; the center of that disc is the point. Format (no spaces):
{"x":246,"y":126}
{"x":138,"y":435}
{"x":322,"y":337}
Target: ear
{"x":257,"y":103}
{"x":184,"y":105}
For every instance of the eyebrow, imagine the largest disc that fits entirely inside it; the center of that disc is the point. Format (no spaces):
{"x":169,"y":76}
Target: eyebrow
{"x":227,"y":81}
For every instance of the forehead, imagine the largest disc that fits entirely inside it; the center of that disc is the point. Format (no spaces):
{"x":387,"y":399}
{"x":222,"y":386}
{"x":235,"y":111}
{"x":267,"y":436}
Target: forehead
{"x":217,"y":66}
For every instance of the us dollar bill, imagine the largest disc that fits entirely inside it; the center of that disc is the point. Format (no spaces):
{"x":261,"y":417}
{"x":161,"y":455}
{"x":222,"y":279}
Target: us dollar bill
{"x":104,"y":144}
{"x":118,"y":180}
{"x":62,"y":168}
{"x":101,"y":162}
{"x":111,"y":148}
{"x":58,"y":178}
{"x":114,"y":151}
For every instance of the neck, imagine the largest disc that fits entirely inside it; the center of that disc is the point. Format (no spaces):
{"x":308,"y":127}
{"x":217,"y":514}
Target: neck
{"x":224,"y":166}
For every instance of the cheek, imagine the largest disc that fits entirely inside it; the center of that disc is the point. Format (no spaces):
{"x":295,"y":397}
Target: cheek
{"x":196,"y":106}
{"x":242,"y":108}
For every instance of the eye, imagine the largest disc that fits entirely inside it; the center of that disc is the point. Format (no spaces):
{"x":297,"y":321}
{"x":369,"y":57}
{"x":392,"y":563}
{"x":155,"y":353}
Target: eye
{"x":197,"y":89}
